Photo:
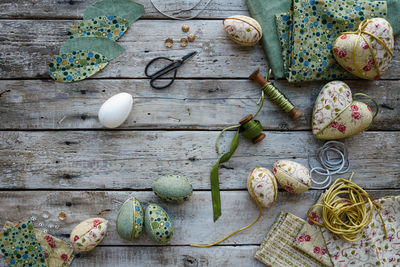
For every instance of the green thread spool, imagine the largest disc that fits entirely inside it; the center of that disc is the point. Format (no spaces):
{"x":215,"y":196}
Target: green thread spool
{"x":251,"y":129}
{"x":275,"y":95}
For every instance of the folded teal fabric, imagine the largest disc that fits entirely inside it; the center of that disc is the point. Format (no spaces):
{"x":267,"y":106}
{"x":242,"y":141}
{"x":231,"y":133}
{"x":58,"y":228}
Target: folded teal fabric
{"x":307,"y":34}
{"x":264,"y":11}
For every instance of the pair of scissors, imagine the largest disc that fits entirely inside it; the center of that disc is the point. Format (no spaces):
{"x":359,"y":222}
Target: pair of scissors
{"x":173,"y":66}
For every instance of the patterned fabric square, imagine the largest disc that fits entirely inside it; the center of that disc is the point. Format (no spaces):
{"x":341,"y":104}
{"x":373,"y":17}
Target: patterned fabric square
{"x":277,"y":248}
{"x":310,"y":239}
{"x":308,"y":32}
{"x":20,"y":247}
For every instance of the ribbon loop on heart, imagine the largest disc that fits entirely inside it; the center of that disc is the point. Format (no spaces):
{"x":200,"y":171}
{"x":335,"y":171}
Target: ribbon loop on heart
{"x":360,"y":32}
{"x":373,"y":100}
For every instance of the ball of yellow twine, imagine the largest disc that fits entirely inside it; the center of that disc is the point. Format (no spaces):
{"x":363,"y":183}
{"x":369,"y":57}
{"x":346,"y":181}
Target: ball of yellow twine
{"x":346,"y":210}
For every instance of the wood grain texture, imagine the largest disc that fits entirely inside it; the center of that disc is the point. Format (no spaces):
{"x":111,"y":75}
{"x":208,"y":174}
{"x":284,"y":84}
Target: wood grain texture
{"x":192,"y":220}
{"x":134,"y":159}
{"x":73,"y":9}
{"x":28,"y":46}
{"x":188,"y":104}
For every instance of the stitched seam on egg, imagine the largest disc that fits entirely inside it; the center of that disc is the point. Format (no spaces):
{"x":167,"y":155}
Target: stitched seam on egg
{"x":242,"y":20}
{"x":284,"y":171}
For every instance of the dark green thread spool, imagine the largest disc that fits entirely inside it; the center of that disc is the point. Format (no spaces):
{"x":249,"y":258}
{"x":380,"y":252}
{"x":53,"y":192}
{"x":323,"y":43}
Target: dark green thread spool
{"x":275,"y":95}
{"x":251,"y":129}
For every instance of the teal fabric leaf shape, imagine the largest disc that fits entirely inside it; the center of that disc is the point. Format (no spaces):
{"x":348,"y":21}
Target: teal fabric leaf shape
{"x":121,"y":8}
{"x":76,"y":66}
{"x":106,"y":47}
{"x":110,"y":27}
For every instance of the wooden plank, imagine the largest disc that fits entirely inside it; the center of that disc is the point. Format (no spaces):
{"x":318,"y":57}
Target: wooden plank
{"x":197,"y":104}
{"x":170,"y":256}
{"x":29,"y":45}
{"x":73,"y":9}
{"x":134,"y":159}
{"x":192,"y":220}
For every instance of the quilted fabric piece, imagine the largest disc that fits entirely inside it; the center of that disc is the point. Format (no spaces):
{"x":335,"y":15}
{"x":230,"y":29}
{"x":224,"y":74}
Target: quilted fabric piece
{"x":126,"y":9}
{"x":56,"y":251}
{"x":88,"y":234}
{"x":315,"y":25}
{"x":373,"y":249}
{"x":106,"y":47}
{"x":354,"y":119}
{"x":110,"y":27}
{"x":333,"y":98}
{"x":76,"y":66}
{"x":336,"y":115}
{"x":310,"y":239}
{"x":20,"y":247}
{"x":277,"y":248}
{"x":365,"y":63}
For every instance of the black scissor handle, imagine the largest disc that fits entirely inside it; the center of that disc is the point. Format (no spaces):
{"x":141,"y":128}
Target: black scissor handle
{"x":151,"y":62}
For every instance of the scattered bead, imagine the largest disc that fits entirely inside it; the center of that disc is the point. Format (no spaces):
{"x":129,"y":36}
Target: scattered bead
{"x":184,"y":42}
{"x":191,"y":37}
{"x":169,"y":43}
{"x":185,"y":28}
{"x":62,"y":216}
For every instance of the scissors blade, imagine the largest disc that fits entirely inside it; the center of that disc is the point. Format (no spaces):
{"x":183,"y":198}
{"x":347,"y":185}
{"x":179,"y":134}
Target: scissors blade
{"x":188,"y":56}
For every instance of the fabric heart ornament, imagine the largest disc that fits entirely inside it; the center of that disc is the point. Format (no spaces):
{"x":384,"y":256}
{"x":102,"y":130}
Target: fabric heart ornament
{"x":337,"y":115}
{"x":367,"y":52}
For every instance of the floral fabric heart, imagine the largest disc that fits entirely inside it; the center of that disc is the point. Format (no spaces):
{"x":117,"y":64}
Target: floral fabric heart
{"x":336,"y":115}
{"x":366,"y":53}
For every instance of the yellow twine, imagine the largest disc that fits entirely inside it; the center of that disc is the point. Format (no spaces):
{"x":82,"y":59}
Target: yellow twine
{"x":360,"y":33}
{"x":237,"y":231}
{"x":344,"y":210}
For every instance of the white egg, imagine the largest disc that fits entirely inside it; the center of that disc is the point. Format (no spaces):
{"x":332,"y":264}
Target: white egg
{"x":115,"y":110}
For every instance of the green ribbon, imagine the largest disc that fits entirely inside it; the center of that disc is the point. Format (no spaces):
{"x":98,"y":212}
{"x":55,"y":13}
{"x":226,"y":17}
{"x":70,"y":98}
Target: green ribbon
{"x":215,"y":193}
{"x":250,"y":130}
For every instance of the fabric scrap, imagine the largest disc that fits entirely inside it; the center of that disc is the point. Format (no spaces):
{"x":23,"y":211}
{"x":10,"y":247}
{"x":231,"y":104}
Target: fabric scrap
{"x":126,"y":9}
{"x":106,"y":47}
{"x":310,"y":239}
{"x":57,"y":252}
{"x":20,"y":246}
{"x":77,"y":65}
{"x":110,"y":27}
{"x":277,"y":248}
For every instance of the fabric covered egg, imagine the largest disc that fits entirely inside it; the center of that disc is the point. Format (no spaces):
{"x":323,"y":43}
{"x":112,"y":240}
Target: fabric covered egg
{"x":115,"y":110}
{"x":173,"y":188}
{"x":262,"y":186}
{"x":130,"y":219}
{"x":292,"y":176}
{"x":243,"y":30}
{"x":336,"y":115}
{"x":158,"y":224}
{"x":373,"y":46}
{"x":88,"y":234}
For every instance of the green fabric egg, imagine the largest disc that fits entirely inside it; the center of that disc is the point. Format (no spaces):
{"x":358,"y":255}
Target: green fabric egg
{"x":173,"y":188}
{"x":130,"y":219}
{"x":158,"y":224}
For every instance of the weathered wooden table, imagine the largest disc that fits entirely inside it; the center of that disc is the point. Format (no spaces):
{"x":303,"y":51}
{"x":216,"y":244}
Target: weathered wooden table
{"x":55,"y":156}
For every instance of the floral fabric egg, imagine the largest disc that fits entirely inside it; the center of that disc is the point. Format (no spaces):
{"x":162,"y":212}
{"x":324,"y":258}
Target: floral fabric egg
{"x":373,"y":46}
{"x":158,"y":224}
{"x":261,"y":184}
{"x":130,"y":219}
{"x":336,"y":115}
{"x":173,"y":188}
{"x":292,"y":176}
{"x":243,"y":30}
{"x":88,"y":234}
